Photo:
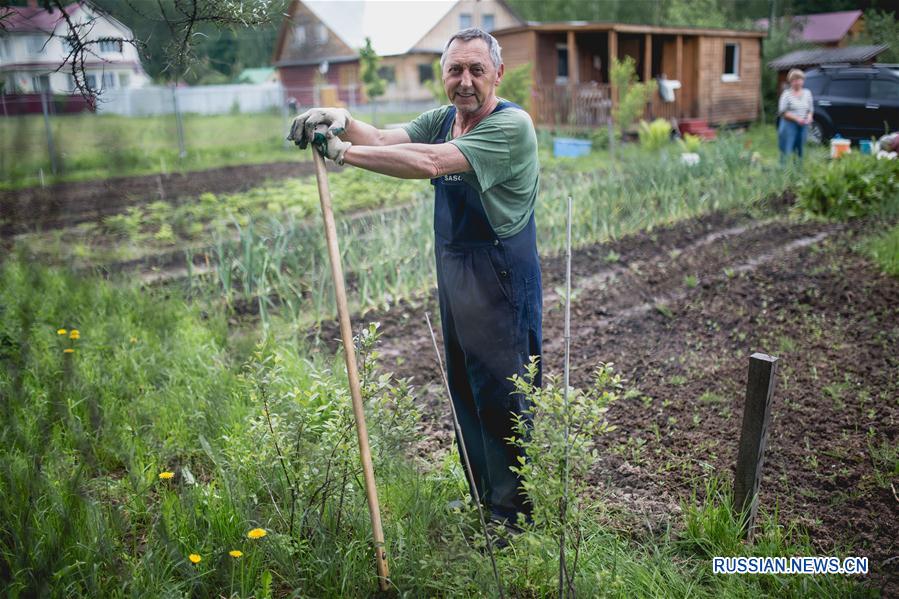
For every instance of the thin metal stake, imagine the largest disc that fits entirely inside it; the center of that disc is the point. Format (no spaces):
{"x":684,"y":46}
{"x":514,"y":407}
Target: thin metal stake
{"x":464,"y":452}
{"x":563,"y":509}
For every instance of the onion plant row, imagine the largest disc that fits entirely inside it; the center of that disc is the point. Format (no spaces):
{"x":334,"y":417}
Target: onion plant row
{"x":389,"y":255}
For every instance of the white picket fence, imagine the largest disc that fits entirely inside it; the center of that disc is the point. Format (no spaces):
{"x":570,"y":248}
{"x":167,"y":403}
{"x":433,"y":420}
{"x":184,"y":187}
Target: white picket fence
{"x":206,"y":99}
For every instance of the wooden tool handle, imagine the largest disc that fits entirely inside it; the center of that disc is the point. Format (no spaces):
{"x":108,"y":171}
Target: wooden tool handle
{"x":346,"y":335}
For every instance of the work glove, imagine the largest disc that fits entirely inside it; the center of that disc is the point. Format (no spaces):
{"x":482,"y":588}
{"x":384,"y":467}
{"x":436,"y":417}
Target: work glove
{"x":329,"y":146}
{"x":336,"y":121}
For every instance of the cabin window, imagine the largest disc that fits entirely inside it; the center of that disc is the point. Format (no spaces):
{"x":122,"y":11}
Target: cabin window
{"x":110,"y":46}
{"x":299,"y":35}
{"x":731,"y":62}
{"x":425,"y":73}
{"x":487,"y":22}
{"x":322,"y":33}
{"x":388,"y":74}
{"x":40,"y":83}
{"x":124,"y":79}
{"x":464,"y":20}
{"x":562,"y":62}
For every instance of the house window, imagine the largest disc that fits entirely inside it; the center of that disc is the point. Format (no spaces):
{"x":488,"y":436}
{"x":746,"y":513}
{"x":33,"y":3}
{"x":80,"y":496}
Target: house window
{"x":40,"y":83}
{"x":91,"y":80}
{"x":322,"y":33}
{"x":487,"y":22}
{"x":124,"y":79}
{"x":108,"y":80}
{"x":388,"y":74}
{"x":425,"y":73}
{"x":299,"y":35}
{"x":110,"y":46}
{"x":464,"y":20}
{"x":35,"y":44}
{"x":561,"y":62}
{"x":731,"y":62}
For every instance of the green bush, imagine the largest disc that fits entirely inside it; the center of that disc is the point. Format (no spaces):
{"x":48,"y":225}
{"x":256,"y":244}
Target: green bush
{"x":690,"y":143}
{"x":517,"y":84}
{"x":655,"y":135}
{"x":632,"y":96}
{"x":884,"y":250}
{"x":853,"y":186}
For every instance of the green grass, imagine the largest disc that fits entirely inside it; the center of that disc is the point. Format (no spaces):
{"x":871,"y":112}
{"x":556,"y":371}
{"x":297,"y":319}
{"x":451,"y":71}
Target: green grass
{"x":884,"y":250}
{"x":260,"y":435}
{"x":91,"y":146}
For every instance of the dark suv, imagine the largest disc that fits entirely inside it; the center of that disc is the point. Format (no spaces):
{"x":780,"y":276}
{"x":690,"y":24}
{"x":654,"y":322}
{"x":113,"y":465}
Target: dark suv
{"x":856,"y":102}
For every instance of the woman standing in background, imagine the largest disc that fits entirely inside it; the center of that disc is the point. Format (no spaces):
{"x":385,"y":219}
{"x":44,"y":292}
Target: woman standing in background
{"x":796,"y":110}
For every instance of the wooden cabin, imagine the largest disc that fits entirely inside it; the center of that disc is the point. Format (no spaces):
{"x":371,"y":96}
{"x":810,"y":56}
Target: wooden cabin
{"x":719,"y":70}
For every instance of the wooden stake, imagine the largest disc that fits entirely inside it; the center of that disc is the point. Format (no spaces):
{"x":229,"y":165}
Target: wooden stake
{"x":751,"y":456}
{"x":346,"y":335}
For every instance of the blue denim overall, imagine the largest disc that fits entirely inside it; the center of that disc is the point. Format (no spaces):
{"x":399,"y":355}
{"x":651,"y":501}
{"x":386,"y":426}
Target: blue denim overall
{"x":490,"y":294}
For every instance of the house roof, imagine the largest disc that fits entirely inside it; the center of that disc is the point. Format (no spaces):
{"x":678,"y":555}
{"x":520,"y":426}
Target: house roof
{"x":821,"y":28}
{"x":564,"y":26}
{"x":256,"y":75}
{"x":27,"y":19}
{"x":394,"y":26}
{"x":818,"y":56}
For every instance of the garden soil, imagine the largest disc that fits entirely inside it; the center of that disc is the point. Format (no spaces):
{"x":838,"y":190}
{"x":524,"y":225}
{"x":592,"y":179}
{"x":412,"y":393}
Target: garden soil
{"x":72,"y":203}
{"x":678,"y":311}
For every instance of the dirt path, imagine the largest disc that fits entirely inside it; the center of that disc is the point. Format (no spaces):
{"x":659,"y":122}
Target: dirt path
{"x":67,"y":204}
{"x":679,"y":311}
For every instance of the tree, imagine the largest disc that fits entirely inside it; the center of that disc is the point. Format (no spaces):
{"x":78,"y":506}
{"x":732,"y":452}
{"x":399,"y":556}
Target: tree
{"x":883,"y":28}
{"x":695,"y":13}
{"x":517,"y":85}
{"x":369,"y":63}
{"x":632,"y":96}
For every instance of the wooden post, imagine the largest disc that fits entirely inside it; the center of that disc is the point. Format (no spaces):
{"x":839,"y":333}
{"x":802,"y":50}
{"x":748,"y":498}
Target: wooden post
{"x":679,"y":74}
{"x":647,"y":70}
{"x":613,"y":56}
{"x":751,"y":455}
{"x":573,"y":78}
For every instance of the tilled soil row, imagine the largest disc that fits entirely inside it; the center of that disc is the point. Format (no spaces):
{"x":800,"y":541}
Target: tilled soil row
{"x":66,"y":204}
{"x":678,"y":311}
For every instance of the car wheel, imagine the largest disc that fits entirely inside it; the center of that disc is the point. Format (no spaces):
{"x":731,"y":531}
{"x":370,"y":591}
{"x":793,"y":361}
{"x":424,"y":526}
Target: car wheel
{"x":816,"y":133}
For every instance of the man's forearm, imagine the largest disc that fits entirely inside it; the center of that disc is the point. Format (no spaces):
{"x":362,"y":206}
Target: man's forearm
{"x":363,"y":134}
{"x":406,"y":161}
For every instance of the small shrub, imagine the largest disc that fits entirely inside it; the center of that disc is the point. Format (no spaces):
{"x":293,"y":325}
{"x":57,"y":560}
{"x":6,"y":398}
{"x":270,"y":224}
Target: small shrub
{"x":655,"y":135}
{"x":632,"y":96}
{"x":690,"y":143}
{"x":853,"y":186}
{"x":517,"y":84}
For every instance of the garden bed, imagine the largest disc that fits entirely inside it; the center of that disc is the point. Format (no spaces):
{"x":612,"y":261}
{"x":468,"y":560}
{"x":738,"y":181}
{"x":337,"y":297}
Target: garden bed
{"x":679,"y":310}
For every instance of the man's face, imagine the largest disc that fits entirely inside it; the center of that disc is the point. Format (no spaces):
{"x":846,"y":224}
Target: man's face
{"x":469,"y":77}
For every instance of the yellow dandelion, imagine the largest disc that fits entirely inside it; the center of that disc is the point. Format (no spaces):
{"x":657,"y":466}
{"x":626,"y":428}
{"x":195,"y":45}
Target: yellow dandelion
{"x":74,"y":334}
{"x":235,"y":553}
{"x":257,"y":533}
{"x":134,"y":340}
{"x":61,"y":331}
{"x":166,"y":475}
{"x":195,"y":558}
{"x":68,"y":350}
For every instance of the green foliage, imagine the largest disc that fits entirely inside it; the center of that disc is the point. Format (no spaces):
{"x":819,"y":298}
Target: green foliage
{"x":695,"y":13}
{"x":882,"y":28}
{"x":655,"y":135}
{"x":884,"y":250}
{"x":852,"y":186}
{"x":632,"y":96}
{"x":781,"y":40}
{"x":435,"y":84}
{"x":369,"y":63}
{"x":517,"y":85}
{"x":690,"y":143}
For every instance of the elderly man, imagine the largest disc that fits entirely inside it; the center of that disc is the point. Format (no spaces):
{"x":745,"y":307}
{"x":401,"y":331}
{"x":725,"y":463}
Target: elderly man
{"x":480,"y":153}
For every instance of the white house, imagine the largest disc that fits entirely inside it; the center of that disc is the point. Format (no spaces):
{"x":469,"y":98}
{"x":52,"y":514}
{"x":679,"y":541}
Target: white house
{"x":33,"y":46}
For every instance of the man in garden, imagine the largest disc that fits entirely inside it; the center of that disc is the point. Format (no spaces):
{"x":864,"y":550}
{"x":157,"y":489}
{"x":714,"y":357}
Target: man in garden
{"x":480,"y":153}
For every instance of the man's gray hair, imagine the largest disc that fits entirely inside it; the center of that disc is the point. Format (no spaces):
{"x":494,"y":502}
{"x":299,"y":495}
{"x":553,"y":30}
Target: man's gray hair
{"x":475,"y":33}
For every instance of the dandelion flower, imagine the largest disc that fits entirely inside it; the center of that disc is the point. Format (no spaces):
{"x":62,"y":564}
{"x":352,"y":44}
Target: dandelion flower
{"x":195,"y":558}
{"x":61,"y":331}
{"x":235,"y":553}
{"x":134,"y":340}
{"x":166,"y":475}
{"x":257,"y":533}
{"x":68,"y":350}
{"x":74,"y":334}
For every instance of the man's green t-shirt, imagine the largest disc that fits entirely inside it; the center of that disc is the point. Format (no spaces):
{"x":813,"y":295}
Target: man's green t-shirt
{"x":502,"y":152}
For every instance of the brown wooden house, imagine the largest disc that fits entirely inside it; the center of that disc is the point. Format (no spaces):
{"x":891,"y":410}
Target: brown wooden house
{"x":719,"y":70}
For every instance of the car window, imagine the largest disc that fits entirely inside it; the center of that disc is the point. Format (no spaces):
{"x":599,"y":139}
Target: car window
{"x":815,"y":85}
{"x":884,"y":89}
{"x":848,"y":88}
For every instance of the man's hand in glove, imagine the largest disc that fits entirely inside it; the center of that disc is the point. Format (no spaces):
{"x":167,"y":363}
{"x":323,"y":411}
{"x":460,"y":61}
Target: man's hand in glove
{"x":329,"y":146}
{"x":336,"y":121}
